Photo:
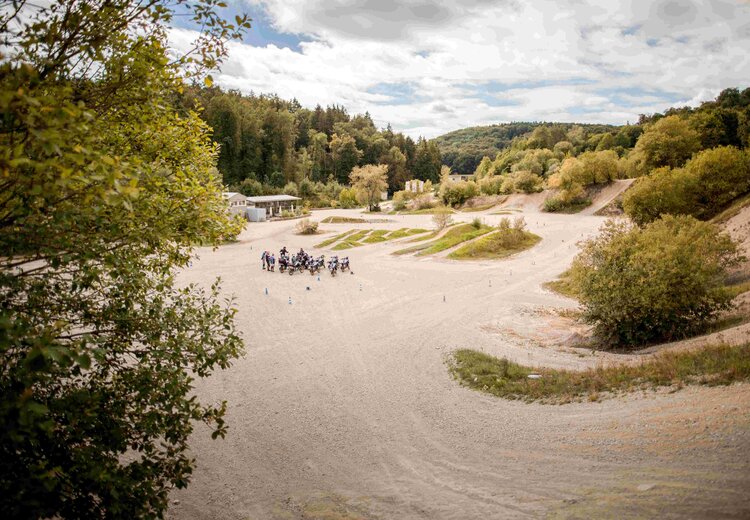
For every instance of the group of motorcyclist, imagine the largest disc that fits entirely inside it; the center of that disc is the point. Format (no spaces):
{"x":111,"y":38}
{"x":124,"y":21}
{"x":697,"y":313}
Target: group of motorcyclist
{"x":302,"y":261}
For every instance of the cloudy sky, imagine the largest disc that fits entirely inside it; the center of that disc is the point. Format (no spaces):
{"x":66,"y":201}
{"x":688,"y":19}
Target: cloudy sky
{"x":431,"y":66}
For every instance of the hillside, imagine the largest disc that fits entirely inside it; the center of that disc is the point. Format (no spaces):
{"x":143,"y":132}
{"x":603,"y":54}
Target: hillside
{"x":463,"y":149}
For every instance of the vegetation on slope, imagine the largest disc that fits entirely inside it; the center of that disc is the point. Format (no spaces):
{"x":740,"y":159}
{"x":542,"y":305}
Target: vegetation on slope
{"x":453,"y":237}
{"x":507,"y":240}
{"x":717,"y":365}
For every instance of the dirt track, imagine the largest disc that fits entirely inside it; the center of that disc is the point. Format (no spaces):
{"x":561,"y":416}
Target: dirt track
{"x":343,"y":408}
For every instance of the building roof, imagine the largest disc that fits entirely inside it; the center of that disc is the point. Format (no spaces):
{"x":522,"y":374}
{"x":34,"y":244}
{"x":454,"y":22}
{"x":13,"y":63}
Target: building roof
{"x":272,"y":198}
{"x":230,"y":194}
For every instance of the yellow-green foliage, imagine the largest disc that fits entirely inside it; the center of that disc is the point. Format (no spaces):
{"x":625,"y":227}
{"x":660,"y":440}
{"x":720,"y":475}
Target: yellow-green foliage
{"x":717,"y":365}
{"x":702,"y":188}
{"x":335,"y":239}
{"x":507,"y":240}
{"x":352,"y":240}
{"x":405,"y":232}
{"x":670,"y":141}
{"x":659,"y":282}
{"x":453,"y":237}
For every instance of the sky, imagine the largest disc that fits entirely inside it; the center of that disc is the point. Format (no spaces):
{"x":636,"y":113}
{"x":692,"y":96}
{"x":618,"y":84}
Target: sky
{"x":428,"y":67}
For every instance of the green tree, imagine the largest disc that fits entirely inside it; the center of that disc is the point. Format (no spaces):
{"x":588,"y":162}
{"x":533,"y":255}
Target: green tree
{"x":664,"y":192}
{"x":397,"y":173}
{"x":345,"y":155}
{"x":659,"y":282}
{"x":720,"y":175}
{"x":668,"y":142}
{"x":369,"y":182}
{"x":106,"y":189}
{"x":427,"y":161}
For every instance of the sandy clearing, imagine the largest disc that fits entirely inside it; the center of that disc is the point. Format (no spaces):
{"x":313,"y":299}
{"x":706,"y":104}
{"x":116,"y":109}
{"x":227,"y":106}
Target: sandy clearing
{"x":343,"y":402}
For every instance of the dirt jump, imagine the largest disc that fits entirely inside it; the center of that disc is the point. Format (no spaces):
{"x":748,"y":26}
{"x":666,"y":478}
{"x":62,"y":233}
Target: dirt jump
{"x":343,"y":408}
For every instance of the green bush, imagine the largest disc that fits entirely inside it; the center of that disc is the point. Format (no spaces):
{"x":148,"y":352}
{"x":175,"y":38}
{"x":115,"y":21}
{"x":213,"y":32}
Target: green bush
{"x":702,"y":188}
{"x":455,"y":193}
{"x":348,"y":198}
{"x":659,"y":282}
{"x":291,"y":189}
{"x":491,"y":185}
{"x":522,"y":181}
{"x":720,"y":175}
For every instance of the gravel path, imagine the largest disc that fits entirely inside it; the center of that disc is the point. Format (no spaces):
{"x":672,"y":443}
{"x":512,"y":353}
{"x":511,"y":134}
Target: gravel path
{"x":343,"y":408}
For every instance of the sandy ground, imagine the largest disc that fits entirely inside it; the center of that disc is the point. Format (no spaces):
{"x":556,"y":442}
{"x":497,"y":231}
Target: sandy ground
{"x":343,"y":407}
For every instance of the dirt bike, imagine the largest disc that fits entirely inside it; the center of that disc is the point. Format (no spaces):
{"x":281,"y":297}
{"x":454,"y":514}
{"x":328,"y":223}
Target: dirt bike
{"x":345,"y":264}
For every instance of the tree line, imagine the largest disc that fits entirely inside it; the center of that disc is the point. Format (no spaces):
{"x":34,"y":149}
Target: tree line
{"x":269,"y":145}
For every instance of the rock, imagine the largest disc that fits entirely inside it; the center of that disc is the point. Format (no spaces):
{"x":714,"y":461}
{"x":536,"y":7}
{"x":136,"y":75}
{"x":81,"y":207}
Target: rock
{"x":646,"y":487}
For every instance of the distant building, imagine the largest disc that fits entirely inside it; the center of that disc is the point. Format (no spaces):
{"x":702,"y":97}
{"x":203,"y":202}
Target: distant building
{"x":274,"y":204}
{"x":237,"y":202}
{"x":414,"y":186}
{"x":459,"y":177}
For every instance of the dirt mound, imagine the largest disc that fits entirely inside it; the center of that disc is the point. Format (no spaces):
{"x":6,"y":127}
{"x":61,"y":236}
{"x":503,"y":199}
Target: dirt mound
{"x":607,"y":196}
{"x":530,"y":202}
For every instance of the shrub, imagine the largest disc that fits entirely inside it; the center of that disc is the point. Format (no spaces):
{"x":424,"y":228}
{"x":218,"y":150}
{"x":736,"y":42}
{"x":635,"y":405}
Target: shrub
{"x":348,"y":198}
{"x":251,"y":188}
{"x":720,"y":175}
{"x":664,"y":192}
{"x":442,"y":219}
{"x":455,"y":193}
{"x":522,"y":181}
{"x":491,"y":185}
{"x":476,"y":223}
{"x":306,"y":188}
{"x":668,"y":142}
{"x":659,"y":282}
{"x":291,"y":189}
{"x":307,"y":227}
{"x":400,"y":198}
{"x":424,"y":201}
{"x":702,"y":188}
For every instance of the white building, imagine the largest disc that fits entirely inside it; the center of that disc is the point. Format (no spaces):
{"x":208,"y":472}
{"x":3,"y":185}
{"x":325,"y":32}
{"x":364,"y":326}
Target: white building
{"x":274,"y":204}
{"x":459,"y":177}
{"x":237,"y":202}
{"x":414,"y":186}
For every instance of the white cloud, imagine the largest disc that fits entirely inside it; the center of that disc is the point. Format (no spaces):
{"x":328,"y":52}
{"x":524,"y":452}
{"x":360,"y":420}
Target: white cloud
{"x":457,"y":64}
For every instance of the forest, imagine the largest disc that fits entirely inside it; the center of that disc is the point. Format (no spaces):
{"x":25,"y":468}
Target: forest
{"x":462,"y":150}
{"x":270,"y":145}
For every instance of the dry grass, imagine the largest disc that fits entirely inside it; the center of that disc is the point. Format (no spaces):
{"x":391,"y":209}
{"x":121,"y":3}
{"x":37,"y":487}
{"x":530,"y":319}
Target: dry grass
{"x":716,"y":365}
{"x":564,"y":285}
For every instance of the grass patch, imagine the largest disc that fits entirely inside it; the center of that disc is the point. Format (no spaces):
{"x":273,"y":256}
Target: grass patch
{"x":564,"y":285}
{"x":427,"y":211}
{"x":482,"y":207}
{"x":412,"y":249}
{"x":376,"y":236}
{"x":332,"y":240}
{"x":453,"y":237}
{"x":405,"y":232}
{"x":352,"y":240}
{"x":496,"y":245}
{"x":716,"y":365}
{"x":737,"y":289}
{"x":343,"y":220}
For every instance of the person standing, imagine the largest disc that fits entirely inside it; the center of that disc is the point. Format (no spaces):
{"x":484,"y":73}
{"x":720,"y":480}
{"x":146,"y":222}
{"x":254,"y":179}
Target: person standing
{"x":264,"y":259}
{"x":273,"y":262}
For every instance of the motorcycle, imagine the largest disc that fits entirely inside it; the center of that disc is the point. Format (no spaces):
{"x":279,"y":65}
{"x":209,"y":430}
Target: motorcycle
{"x":333,"y":265}
{"x":345,"y":264}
